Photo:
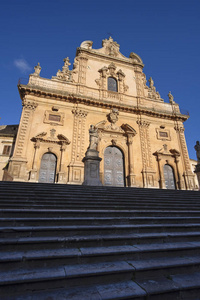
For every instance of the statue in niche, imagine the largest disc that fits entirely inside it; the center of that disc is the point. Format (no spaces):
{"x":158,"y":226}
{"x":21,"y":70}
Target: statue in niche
{"x":197,"y":148}
{"x":94,"y":138}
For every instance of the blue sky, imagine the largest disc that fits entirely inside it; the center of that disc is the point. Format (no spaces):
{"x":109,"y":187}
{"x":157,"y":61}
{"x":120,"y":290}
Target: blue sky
{"x":165,"y":34}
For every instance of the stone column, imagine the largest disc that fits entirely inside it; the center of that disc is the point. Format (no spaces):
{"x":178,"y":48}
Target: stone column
{"x":76,"y":167}
{"x":147,"y":170}
{"x":34,"y":171}
{"x":188,"y":175}
{"x":17,"y":166}
{"x":131,"y":176}
{"x":61,"y":173}
{"x":162,"y":179}
{"x":180,"y":182}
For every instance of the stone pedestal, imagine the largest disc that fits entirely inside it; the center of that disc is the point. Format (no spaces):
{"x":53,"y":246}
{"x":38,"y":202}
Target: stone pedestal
{"x":197,"y":171}
{"x":91,"y":168}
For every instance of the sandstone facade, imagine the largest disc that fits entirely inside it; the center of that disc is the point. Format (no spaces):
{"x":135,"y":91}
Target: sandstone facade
{"x":141,"y":138}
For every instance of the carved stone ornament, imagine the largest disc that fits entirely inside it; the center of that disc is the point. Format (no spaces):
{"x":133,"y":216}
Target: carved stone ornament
{"x":86,"y":45}
{"x":112,"y":48}
{"x":59,"y":139}
{"x":113,"y":116}
{"x":65,"y":74}
{"x":152,"y":93}
{"x":37,"y":70}
{"x":171,"y":98}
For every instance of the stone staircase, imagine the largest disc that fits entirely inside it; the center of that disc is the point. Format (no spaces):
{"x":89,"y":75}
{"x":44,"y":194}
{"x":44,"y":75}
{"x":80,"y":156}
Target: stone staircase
{"x":79,"y":243}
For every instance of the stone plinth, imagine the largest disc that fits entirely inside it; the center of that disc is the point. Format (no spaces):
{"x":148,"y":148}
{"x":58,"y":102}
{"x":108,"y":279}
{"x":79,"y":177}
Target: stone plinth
{"x":197,"y":171}
{"x":91,"y":168}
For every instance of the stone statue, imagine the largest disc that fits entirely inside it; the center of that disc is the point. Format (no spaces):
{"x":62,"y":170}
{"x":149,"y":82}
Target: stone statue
{"x":171,"y":98}
{"x":151,"y":82}
{"x":94,"y":139}
{"x":37,"y":70}
{"x":197,"y":148}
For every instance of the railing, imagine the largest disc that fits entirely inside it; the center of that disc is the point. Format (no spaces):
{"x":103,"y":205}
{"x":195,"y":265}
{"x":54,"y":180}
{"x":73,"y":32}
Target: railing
{"x":184,"y":112}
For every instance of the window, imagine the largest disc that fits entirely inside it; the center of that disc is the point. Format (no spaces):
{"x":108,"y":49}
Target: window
{"x":163,"y":134}
{"x":112,"y":84}
{"x":56,"y":118}
{"x":6,"y":150}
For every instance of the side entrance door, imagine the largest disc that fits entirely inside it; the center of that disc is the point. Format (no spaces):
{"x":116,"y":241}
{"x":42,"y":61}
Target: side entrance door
{"x":48,"y":168}
{"x":169,"y":177}
{"x":113,"y":167}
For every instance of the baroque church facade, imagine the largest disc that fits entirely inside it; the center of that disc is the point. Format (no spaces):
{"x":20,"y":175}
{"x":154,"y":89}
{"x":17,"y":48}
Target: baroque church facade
{"x":140,"y":137}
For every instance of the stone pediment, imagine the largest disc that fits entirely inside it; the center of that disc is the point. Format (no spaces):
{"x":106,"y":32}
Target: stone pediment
{"x":59,"y":139}
{"x":111,"y":48}
{"x":164,"y":151}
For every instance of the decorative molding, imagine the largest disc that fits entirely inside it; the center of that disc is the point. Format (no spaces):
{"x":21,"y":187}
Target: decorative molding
{"x":78,"y":142}
{"x":65,"y":74}
{"x":101,"y":103}
{"x":163,"y":134}
{"x":145,"y":144}
{"x":48,"y":120}
{"x":152,"y":93}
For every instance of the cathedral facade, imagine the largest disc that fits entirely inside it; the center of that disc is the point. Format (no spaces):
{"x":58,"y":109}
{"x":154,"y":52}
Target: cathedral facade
{"x":140,"y":137}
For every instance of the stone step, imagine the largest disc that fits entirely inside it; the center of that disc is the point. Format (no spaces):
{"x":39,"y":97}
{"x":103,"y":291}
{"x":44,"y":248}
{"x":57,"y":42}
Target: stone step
{"x":96,"y":213}
{"x":96,"y":206}
{"x":69,"y":275}
{"x":55,"y":242}
{"x":64,"y":256}
{"x":85,"y":230}
{"x":100,"y":197}
{"x":96,"y":221}
{"x":118,"y":290}
{"x":101,"y":273}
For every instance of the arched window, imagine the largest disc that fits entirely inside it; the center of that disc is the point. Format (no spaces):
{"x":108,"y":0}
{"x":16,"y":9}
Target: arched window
{"x":112,"y":84}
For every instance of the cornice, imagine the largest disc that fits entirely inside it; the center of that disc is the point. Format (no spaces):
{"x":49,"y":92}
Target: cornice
{"x":108,"y":57}
{"x":89,"y":101}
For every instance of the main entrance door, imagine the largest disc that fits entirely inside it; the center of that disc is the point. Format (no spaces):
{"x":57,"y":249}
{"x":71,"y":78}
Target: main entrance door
{"x":48,"y":168}
{"x":113,"y":167}
{"x":169,"y":177}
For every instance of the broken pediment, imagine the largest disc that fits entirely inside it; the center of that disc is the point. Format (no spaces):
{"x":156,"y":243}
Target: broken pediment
{"x":111,"y":48}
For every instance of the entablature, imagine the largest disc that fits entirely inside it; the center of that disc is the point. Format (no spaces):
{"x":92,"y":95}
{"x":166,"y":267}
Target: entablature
{"x":135,"y":107}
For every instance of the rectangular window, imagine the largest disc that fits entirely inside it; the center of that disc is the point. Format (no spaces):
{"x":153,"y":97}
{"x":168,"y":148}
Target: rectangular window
{"x":163,"y":134}
{"x":56,"y":118}
{"x":6,"y":150}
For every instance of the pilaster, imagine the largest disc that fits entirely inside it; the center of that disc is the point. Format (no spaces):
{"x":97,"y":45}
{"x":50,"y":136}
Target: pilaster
{"x":76,"y":167}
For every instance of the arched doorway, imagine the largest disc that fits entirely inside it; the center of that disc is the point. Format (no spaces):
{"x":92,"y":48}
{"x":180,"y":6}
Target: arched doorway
{"x":113,"y":167}
{"x":48,"y":168}
{"x":169,"y":177}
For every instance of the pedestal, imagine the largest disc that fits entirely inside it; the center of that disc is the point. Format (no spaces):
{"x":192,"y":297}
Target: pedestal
{"x":197,"y":171}
{"x":91,"y":168}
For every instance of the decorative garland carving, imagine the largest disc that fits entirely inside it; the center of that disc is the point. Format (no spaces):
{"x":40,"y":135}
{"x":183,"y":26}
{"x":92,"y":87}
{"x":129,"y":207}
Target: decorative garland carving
{"x":180,"y":130}
{"x":28,"y":109}
{"x":78,"y":135}
{"x":152,"y":93}
{"x":145,"y":144}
